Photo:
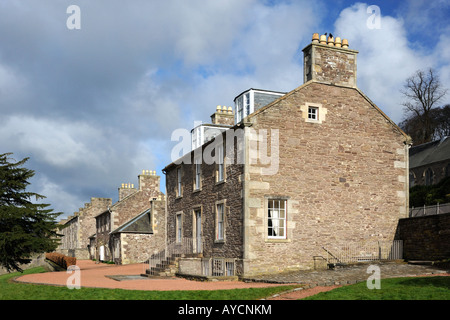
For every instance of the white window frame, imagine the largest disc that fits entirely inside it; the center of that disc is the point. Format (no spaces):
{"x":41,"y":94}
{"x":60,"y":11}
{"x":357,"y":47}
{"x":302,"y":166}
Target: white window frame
{"x":313,"y":113}
{"x":247,"y":104}
{"x":179,"y":227}
{"x":179,"y":185}
{"x":239,"y":109}
{"x":220,"y":218}
{"x":276,"y":218}
{"x":198,"y":174}
{"x":320,"y":112}
{"x":221,"y":165}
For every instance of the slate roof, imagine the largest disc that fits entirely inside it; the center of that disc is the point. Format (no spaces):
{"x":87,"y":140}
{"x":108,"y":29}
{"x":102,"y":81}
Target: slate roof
{"x":139,"y":224}
{"x":429,"y":153}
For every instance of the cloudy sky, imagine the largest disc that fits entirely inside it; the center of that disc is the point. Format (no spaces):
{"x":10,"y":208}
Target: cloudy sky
{"x":94,"y":106}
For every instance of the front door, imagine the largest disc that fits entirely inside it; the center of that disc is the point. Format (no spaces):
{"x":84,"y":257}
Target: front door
{"x":198,"y":231}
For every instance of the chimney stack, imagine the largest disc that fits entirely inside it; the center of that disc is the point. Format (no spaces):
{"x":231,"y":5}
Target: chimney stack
{"x":329,"y":60}
{"x":223,"y":115}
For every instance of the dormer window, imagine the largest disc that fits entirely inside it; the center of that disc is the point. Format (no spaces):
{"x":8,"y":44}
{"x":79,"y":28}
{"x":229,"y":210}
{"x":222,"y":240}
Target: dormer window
{"x":244,"y":106}
{"x":251,"y":100}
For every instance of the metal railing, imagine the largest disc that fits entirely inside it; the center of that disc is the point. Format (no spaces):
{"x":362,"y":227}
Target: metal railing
{"x":170,"y":252}
{"x":429,"y":210}
{"x":219,"y":267}
{"x":362,"y":252}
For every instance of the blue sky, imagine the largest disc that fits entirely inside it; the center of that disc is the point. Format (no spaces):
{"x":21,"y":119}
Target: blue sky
{"x":93,"y":107}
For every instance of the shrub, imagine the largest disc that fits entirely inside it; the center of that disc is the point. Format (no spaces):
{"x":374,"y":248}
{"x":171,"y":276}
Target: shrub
{"x":61,"y":260}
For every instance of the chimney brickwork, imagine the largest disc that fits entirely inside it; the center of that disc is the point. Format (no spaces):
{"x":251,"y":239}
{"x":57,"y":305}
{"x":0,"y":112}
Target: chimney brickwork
{"x":223,"y":116}
{"x":329,"y":60}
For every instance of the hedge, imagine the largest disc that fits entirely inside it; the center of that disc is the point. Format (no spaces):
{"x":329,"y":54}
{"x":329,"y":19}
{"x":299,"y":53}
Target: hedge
{"x":61,"y":260}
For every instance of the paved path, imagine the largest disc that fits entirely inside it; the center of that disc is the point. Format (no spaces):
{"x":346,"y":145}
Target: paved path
{"x":350,"y":274}
{"x":102,"y":276}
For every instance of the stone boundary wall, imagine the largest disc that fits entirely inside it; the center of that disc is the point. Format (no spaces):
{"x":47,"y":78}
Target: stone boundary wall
{"x":425,"y":238}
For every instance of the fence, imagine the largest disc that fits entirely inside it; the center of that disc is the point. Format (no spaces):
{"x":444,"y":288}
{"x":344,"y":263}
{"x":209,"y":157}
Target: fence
{"x":429,"y":210}
{"x":219,"y":267}
{"x":362,"y":252}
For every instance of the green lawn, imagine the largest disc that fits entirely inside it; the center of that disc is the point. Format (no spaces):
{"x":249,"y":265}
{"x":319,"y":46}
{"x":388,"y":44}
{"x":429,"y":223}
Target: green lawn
{"x":20,"y":291}
{"x":414,"y":288}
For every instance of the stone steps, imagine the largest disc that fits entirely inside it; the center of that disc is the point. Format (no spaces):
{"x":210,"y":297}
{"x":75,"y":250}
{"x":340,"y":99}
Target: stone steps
{"x":167,"y":267}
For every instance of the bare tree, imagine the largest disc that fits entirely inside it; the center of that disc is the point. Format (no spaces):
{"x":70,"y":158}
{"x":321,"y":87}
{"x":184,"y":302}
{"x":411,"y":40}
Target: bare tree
{"x":442,"y":122}
{"x":423,"y":90}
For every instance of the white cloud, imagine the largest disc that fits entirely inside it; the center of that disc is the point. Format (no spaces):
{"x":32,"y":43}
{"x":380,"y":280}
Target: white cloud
{"x":385,"y":59}
{"x":60,"y":144}
{"x":61,"y":200}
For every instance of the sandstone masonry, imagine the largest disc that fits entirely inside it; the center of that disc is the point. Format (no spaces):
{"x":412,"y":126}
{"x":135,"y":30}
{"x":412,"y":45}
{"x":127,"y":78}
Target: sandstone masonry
{"x":322,"y":164}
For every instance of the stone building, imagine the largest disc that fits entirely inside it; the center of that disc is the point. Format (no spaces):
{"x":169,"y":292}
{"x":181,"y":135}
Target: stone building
{"x":318,"y":166}
{"x":135,"y":225}
{"x":429,"y":162}
{"x":77,"y":228}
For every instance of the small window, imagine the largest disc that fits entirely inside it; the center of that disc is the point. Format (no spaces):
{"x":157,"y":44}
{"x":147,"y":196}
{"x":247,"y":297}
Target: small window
{"x":179,"y":227}
{"x":179,"y":182}
{"x":247,"y":104}
{"x":220,"y":222}
{"x":313,"y":113}
{"x":198,"y":171}
{"x":276,"y":219}
{"x":240,"y":109}
{"x":220,"y":176}
{"x":429,"y":177}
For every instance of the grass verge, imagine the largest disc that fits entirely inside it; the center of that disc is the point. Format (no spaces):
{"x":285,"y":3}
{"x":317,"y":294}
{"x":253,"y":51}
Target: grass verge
{"x":411,"y":288}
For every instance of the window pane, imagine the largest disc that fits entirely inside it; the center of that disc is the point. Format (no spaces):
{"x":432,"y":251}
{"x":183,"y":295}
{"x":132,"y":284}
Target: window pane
{"x":276,"y":214}
{"x":220,"y":222}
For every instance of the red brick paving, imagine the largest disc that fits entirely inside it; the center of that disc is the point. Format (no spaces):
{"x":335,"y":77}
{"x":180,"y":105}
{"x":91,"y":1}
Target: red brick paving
{"x":95,"y":275}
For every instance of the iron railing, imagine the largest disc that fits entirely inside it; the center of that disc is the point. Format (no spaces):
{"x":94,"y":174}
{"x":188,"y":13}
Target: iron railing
{"x":363,"y":252}
{"x":219,"y":267}
{"x":429,"y":210}
{"x":170,"y":251}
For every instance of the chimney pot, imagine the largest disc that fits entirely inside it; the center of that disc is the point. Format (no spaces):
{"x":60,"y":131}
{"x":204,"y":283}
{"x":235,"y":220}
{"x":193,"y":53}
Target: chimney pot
{"x":344,"y":43}
{"x":337,"y":42}
{"x":315,"y":38}
{"x":323,"y":39}
{"x":330,"y":41}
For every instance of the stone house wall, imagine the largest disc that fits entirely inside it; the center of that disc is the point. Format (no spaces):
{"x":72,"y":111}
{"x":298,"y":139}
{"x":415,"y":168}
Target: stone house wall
{"x":206,"y":199}
{"x":69,"y":232}
{"x":135,"y":202}
{"x":136,"y":247}
{"x":344,"y":179}
{"x":80,"y":227}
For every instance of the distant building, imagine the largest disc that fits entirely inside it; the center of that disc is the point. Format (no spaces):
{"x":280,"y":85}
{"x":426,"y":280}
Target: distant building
{"x":429,"y":163}
{"x":135,"y":225}
{"x":77,"y":228}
